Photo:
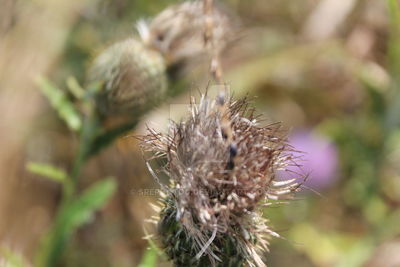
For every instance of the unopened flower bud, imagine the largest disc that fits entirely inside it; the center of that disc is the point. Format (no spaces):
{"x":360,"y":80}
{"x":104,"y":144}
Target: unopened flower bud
{"x":132,"y":78}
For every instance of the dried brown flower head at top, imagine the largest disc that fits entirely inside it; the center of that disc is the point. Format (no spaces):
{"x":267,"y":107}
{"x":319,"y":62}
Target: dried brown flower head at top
{"x":178,"y":31}
{"x":222,"y":166}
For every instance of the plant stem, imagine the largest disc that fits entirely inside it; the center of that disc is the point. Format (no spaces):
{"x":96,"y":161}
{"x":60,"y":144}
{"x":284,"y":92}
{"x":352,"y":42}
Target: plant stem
{"x":90,"y":130}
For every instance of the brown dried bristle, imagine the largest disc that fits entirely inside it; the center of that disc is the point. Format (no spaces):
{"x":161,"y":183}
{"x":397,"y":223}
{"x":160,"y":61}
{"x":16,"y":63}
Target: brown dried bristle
{"x":218,"y":182}
{"x":178,"y":31}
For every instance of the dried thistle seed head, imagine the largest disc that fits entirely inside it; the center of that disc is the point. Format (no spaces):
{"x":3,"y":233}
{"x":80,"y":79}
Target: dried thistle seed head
{"x":132,"y":77}
{"x":178,"y":32}
{"x":222,"y":166}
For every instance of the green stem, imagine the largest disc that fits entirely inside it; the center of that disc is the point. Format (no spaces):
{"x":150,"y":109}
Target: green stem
{"x":90,"y":130}
{"x":57,"y":239}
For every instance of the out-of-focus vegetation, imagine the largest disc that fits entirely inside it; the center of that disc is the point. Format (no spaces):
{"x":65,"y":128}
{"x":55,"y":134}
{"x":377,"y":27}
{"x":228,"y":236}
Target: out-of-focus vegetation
{"x":328,"y":69}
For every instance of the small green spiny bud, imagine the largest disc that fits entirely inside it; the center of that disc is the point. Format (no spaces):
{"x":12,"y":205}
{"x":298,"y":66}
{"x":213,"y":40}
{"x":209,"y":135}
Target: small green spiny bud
{"x":132,"y":77}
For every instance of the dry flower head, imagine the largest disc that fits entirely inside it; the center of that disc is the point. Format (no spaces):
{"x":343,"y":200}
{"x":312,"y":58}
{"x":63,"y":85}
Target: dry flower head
{"x":221,"y":163}
{"x":178,"y":31}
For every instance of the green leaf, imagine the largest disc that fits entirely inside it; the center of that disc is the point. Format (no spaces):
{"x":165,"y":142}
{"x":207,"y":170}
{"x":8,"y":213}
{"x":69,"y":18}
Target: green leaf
{"x":80,"y":210}
{"x":47,"y":171}
{"x":61,"y":103}
{"x":71,"y":216}
{"x":75,"y":88}
{"x":149,"y":258}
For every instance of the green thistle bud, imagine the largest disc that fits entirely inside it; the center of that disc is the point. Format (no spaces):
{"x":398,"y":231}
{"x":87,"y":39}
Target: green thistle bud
{"x":222,"y":167}
{"x":132,"y":78}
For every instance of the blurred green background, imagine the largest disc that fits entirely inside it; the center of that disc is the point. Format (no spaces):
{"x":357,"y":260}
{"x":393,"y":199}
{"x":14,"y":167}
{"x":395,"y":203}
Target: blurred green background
{"x":328,"y":69}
